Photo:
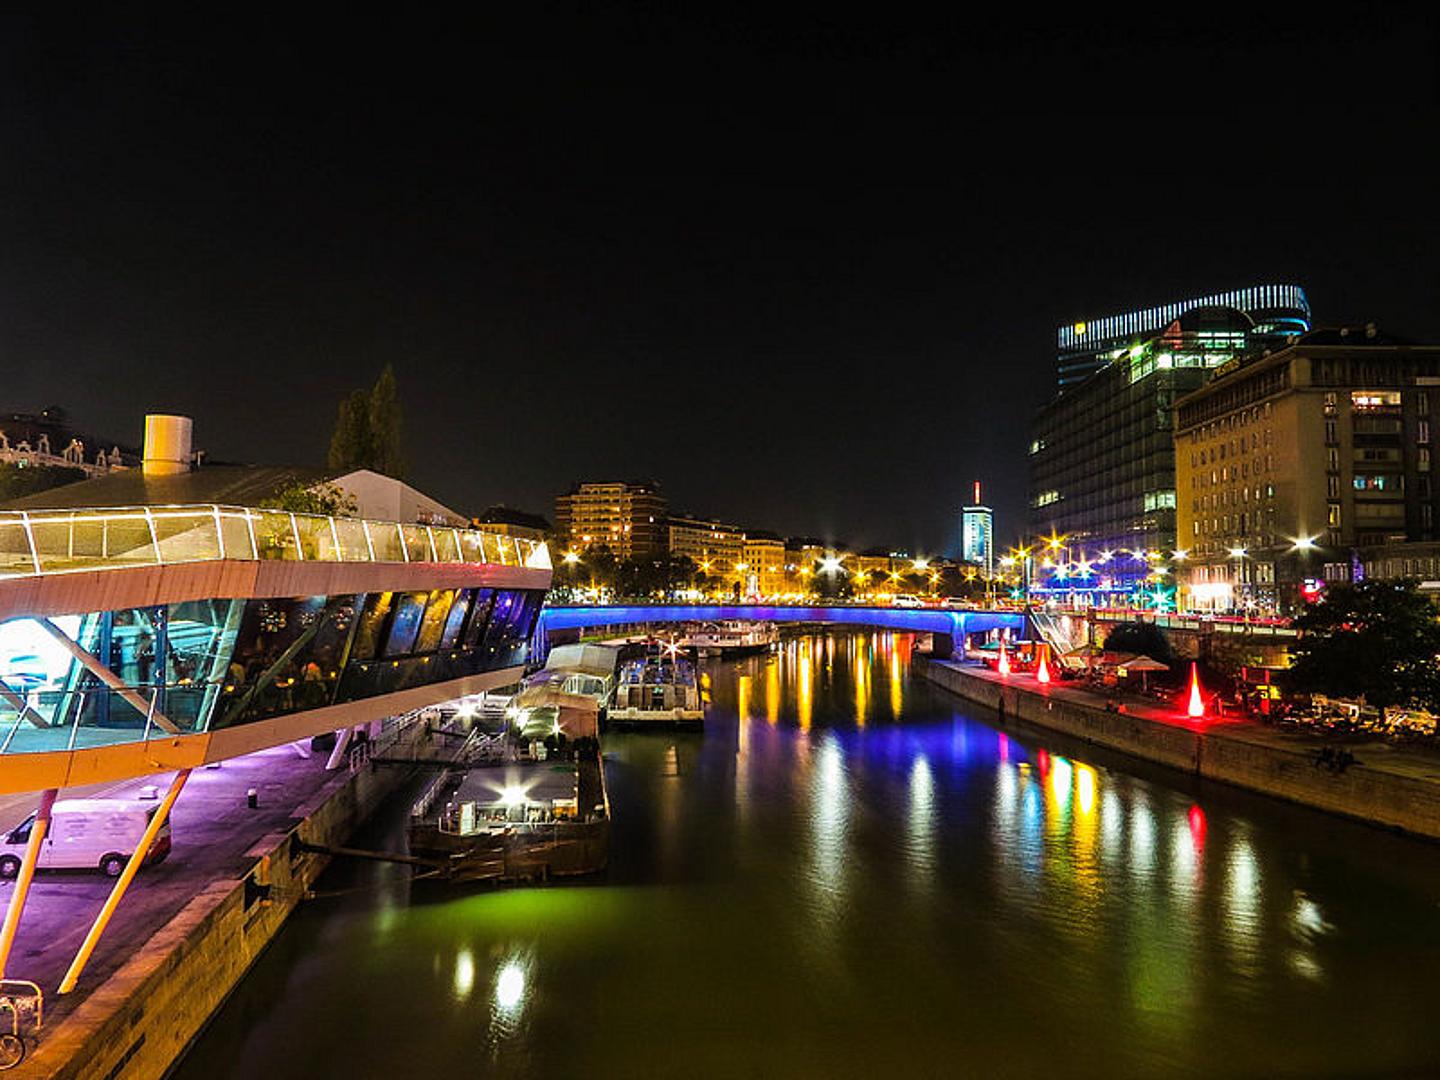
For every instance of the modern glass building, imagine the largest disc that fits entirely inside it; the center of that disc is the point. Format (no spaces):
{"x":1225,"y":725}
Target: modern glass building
{"x":1085,"y":347}
{"x":138,"y":639}
{"x":977,"y":534}
{"x":1102,"y":455}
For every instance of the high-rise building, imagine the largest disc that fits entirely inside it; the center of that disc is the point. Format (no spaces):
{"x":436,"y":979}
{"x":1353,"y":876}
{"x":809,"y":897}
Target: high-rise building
{"x":1088,"y":346}
{"x":1102,"y":456}
{"x":626,"y":518}
{"x":1294,"y":466}
{"x":977,"y":534}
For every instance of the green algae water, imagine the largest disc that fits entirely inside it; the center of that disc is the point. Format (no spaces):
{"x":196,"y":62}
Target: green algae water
{"x":851,"y":873}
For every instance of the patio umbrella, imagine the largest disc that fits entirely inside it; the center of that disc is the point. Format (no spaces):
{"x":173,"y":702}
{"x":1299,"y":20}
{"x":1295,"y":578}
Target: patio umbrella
{"x":1144,"y":665}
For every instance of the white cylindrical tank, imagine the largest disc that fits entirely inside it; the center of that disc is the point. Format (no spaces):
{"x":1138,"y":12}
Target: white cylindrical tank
{"x":167,"y":445}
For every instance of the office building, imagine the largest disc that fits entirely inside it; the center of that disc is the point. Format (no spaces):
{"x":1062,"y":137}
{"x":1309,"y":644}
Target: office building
{"x":629,"y":519}
{"x":1102,"y":456}
{"x":977,"y":534}
{"x":1086,"y":347}
{"x":1297,"y":466}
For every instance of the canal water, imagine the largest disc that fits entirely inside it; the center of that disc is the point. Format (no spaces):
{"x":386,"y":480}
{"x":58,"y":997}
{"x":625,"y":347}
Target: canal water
{"x":851,"y":873}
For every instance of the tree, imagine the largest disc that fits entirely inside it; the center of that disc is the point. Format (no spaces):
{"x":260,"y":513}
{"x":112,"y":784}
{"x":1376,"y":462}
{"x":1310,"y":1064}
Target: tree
{"x":350,"y":444}
{"x":301,"y":498}
{"x":1140,"y":637}
{"x":1377,"y":639}
{"x":369,"y":429}
{"x":386,"y":425}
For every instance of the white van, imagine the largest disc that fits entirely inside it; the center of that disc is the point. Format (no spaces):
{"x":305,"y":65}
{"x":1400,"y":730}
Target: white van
{"x":88,"y":834}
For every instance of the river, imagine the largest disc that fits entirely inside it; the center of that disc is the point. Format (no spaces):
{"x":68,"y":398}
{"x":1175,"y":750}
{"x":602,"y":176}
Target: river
{"x":851,"y":873}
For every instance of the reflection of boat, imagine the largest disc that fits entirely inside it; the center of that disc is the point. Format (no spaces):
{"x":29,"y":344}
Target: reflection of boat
{"x":656,"y":691}
{"x":730,"y":636}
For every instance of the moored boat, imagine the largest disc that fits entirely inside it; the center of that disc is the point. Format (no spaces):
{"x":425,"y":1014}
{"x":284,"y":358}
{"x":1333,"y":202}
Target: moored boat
{"x":730,"y":636}
{"x":657,"y":691}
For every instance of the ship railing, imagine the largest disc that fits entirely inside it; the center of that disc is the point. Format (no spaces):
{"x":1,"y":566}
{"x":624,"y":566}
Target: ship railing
{"x":36,"y":542}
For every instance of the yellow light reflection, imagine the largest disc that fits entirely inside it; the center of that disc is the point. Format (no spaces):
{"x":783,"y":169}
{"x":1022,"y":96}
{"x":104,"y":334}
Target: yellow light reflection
{"x":804,"y":697}
{"x":464,"y":973}
{"x":1085,"y":789}
{"x":772,"y":693}
{"x":896,"y":692}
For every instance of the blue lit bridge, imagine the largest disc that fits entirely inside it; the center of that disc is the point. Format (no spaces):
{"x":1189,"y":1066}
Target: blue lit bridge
{"x":950,"y":625}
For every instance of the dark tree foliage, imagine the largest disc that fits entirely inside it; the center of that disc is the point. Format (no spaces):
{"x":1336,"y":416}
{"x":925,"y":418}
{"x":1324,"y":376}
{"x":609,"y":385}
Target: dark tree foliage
{"x":369,"y":429}
{"x":1378,"y":640}
{"x":300,"y":498}
{"x":17,"y":481}
{"x":1140,"y":637}
{"x":831,"y":585}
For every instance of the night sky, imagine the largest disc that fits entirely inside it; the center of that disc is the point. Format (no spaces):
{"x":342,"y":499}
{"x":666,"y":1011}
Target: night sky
{"x":805,"y":274}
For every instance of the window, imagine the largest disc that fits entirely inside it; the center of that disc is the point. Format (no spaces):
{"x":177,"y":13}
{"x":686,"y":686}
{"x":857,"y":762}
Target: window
{"x":1422,"y":431}
{"x":1422,"y":459}
{"x":1332,"y":459}
{"x":1332,"y":486}
{"x":405,"y":623}
{"x":1422,"y":401}
{"x":1331,"y":435}
{"x":1330,"y":404}
{"x":1334,"y":515}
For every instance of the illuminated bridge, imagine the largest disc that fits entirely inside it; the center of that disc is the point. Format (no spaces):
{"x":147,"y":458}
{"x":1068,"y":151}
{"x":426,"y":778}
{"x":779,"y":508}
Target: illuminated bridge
{"x":949,"y":624}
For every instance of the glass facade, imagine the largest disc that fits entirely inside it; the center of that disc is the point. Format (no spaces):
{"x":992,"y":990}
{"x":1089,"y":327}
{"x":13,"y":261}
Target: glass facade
{"x":1086,"y":347}
{"x":207,"y":665}
{"x":61,"y":541}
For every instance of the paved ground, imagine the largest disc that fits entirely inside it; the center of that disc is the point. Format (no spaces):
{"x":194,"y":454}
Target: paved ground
{"x":1411,"y":759}
{"x":213,"y":829}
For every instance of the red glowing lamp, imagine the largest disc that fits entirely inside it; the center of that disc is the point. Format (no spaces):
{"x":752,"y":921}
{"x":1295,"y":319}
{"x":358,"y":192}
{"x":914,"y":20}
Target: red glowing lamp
{"x":1196,"y":708}
{"x":1004,"y":666}
{"x":1042,"y":670}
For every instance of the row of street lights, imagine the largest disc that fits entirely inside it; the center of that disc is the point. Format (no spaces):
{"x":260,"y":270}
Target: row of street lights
{"x":1055,"y":556}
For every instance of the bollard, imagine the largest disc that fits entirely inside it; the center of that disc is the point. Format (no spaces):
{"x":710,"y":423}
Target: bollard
{"x":252,"y":799}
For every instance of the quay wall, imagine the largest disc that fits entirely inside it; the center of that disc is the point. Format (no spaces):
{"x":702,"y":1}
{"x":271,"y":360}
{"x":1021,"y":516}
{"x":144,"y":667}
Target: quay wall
{"x":1377,"y":796}
{"x":143,"y":1018}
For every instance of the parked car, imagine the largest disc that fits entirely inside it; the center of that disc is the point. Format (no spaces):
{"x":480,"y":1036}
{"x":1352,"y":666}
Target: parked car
{"x":98,"y":834}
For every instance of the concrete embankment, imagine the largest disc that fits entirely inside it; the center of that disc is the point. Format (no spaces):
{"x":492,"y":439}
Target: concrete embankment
{"x":1392,"y":787}
{"x":144,"y":1015}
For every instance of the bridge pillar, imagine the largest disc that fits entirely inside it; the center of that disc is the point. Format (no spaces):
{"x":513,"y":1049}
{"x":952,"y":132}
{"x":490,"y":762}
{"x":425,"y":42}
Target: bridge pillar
{"x":942,"y":646}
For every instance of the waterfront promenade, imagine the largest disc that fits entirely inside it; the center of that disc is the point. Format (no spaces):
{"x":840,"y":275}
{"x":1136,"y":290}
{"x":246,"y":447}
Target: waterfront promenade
{"x":1390,"y":784}
{"x":168,"y":914}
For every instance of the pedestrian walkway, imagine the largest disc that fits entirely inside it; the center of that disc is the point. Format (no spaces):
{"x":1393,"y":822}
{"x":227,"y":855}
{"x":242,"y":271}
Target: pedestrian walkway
{"x":213,"y":828}
{"x":1411,"y":760}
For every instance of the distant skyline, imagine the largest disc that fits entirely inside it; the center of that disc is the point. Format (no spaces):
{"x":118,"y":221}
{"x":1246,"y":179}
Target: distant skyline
{"x":806,"y":275}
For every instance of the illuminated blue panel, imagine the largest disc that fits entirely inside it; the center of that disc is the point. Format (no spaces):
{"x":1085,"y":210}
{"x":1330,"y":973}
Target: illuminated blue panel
{"x":1118,"y":329}
{"x":925,"y":620}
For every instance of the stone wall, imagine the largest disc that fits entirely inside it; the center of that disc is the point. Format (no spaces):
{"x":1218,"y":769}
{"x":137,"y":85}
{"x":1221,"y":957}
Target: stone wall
{"x":146,"y":1014}
{"x":1367,"y":792}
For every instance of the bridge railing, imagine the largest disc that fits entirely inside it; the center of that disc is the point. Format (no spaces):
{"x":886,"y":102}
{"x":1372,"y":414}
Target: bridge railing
{"x":68,"y":541}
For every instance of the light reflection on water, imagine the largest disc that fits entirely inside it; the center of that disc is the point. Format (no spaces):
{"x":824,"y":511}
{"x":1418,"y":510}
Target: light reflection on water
{"x":848,"y":873}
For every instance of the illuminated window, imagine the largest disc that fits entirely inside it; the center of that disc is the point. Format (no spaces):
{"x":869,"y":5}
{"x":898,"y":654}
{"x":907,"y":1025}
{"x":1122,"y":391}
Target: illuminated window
{"x":1374,"y":399}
